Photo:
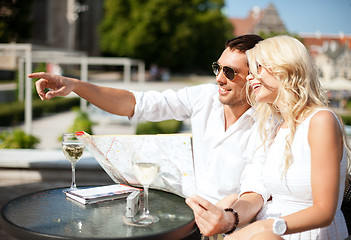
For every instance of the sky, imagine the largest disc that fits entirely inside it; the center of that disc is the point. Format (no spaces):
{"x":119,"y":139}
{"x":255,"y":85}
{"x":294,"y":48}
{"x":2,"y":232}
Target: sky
{"x":301,"y":16}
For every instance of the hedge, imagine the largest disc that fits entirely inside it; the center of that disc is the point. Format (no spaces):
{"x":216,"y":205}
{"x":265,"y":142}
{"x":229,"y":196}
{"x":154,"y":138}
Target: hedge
{"x":82,"y":122}
{"x":13,"y":113}
{"x":17,"y":139}
{"x":164,"y":127}
{"x":346,"y":119}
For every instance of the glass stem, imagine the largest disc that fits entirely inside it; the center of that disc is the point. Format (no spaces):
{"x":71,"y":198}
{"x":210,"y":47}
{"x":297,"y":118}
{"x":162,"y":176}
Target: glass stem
{"x":73,"y":184}
{"x":146,"y":201}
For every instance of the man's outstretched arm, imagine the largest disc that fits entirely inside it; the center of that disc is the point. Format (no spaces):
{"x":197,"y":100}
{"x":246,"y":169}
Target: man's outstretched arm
{"x":116,"y":101}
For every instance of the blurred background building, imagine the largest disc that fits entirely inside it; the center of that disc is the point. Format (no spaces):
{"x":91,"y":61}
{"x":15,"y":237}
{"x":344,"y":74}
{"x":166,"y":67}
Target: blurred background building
{"x":72,"y":26}
{"x":67,"y":24}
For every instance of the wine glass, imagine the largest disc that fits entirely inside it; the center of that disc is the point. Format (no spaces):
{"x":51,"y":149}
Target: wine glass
{"x":73,"y":150}
{"x":146,"y":168}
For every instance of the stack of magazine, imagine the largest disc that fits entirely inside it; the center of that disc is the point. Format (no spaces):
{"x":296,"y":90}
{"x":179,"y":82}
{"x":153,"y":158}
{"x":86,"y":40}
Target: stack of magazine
{"x":101,"y":193}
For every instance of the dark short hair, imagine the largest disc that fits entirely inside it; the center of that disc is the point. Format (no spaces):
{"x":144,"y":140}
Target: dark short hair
{"x":244,"y":42}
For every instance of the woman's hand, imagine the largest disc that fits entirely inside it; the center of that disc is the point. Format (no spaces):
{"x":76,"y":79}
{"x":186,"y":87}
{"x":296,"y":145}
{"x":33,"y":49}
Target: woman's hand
{"x":257,"y":230}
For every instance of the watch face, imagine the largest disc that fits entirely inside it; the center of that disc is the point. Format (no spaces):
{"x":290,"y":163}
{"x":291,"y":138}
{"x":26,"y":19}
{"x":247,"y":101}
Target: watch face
{"x":279,"y":226}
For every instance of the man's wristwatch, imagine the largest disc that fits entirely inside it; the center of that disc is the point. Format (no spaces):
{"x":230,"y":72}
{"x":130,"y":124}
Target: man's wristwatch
{"x":279,"y":226}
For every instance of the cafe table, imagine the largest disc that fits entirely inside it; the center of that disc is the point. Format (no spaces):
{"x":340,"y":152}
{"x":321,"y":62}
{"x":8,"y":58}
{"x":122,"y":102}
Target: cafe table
{"x":49,"y":214}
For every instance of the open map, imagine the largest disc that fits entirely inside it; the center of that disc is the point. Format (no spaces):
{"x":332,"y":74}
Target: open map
{"x":173,"y":153}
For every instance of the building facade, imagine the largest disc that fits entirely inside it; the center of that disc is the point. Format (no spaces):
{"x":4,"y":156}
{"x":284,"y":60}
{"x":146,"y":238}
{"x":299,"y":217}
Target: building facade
{"x":332,"y":53}
{"x":259,"y":20}
{"x":67,"y":24}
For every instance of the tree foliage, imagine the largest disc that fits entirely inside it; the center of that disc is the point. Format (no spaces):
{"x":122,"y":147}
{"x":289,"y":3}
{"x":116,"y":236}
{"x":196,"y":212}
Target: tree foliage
{"x":15,"y":23}
{"x":265,"y":35}
{"x":181,"y":35}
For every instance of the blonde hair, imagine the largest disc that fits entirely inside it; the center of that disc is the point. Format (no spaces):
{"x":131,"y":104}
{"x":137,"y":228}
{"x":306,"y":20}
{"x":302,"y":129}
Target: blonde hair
{"x":299,"y":93}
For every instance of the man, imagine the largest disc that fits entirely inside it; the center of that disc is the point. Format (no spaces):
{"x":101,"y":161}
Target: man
{"x":220,"y":116}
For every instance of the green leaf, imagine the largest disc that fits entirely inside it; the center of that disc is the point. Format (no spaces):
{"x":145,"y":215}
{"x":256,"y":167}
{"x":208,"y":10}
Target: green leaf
{"x":179,"y":35}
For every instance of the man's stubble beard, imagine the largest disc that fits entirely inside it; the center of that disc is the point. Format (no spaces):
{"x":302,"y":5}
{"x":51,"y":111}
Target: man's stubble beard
{"x":239,"y":99}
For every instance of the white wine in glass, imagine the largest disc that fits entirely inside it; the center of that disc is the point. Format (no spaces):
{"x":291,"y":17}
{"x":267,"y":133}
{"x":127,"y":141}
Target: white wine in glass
{"x":146,"y":172}
{"x":73,"y":150}
{"x":146,"y":168}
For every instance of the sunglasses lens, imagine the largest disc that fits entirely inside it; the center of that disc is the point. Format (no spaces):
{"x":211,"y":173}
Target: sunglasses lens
{"x":215,"y":68}
{"x":229,"y":73}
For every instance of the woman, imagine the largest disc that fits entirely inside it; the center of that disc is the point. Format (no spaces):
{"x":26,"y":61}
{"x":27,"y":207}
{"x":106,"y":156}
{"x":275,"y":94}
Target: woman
{"x":306,"y":159}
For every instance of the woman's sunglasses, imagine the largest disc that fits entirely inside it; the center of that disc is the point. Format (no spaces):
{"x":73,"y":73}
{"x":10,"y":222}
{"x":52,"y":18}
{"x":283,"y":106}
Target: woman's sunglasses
{"x":228,"y":71}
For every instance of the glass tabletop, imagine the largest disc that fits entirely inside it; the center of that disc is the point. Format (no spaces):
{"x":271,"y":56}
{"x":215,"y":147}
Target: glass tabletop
{"x":50,"y":215}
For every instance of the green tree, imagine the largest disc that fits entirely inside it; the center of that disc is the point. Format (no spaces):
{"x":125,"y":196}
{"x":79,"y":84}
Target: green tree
{"x":265,"y":35}
{"x":15,"y":23}
{"x":181,"y":35}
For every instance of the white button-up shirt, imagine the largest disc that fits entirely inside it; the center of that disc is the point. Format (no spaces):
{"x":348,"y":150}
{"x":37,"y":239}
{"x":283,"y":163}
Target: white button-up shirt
{"x":219,"y":156}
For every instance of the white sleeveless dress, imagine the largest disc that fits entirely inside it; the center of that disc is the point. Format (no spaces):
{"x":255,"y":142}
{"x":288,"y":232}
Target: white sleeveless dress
{"x":295,"y":193}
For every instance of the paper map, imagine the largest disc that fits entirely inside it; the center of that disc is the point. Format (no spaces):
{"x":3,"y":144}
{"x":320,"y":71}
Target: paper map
{"x":173,"y":153}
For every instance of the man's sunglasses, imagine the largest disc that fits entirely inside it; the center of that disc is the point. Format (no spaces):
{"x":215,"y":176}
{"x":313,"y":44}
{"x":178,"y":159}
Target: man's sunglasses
{"x":228,"y":71}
